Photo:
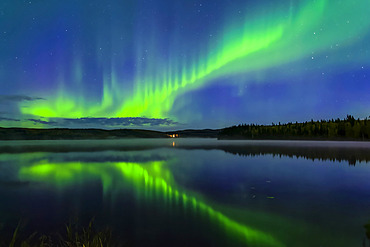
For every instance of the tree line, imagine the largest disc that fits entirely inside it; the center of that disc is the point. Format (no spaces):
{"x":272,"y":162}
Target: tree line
{"x":348,"y":129}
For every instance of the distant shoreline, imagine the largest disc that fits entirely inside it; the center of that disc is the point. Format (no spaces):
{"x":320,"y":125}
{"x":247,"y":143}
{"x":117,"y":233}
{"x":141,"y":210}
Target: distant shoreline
{"x":97,"y":134}
{"x":348,"y":129}
{"x":9,"y":134}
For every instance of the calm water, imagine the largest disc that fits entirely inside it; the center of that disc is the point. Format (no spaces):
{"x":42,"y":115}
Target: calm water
{"x":193,"y":192}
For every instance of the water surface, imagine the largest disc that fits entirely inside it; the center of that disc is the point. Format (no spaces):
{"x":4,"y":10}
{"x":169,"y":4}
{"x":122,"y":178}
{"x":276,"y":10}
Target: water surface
{"x":191,"y":192}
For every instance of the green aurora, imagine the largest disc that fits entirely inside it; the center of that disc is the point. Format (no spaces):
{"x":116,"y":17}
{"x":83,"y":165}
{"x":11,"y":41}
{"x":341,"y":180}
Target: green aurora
{"x":280,"y":36}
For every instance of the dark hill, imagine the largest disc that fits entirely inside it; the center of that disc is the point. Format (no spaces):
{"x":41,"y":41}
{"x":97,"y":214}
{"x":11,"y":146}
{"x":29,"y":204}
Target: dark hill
{"x":75,"y":134}
{"x":86,"y":134}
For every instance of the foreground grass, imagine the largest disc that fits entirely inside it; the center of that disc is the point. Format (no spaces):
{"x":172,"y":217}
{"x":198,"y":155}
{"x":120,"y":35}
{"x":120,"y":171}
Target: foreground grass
{"x":73,"y":237}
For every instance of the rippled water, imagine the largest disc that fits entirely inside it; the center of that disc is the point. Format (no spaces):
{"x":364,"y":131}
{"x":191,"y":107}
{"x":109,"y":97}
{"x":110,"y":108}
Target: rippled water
{"x":191,"y":192}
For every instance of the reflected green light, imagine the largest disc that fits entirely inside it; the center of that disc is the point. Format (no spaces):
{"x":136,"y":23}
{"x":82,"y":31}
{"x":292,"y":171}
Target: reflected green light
{"x":149,"y":179}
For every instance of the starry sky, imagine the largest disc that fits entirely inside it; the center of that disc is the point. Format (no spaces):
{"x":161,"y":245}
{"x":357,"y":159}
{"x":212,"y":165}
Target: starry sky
{"x":176,"y":64}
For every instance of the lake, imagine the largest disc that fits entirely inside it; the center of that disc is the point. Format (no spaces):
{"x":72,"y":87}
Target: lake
{"x":190,"y":192}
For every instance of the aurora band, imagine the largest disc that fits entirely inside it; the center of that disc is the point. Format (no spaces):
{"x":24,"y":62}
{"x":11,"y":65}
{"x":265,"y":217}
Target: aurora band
{"x":261,"y":42}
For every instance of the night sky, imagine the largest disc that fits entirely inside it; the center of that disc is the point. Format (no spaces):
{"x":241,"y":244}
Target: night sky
{"x":175,"y":64}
